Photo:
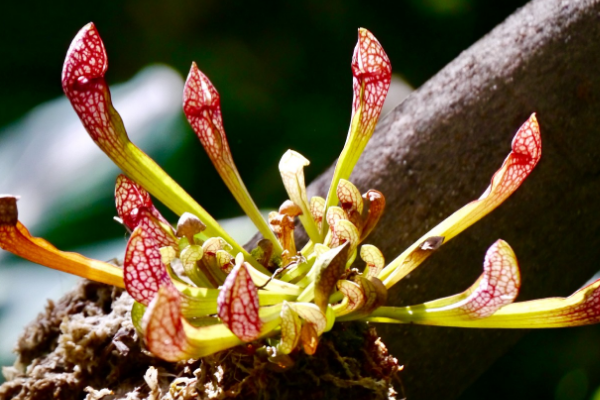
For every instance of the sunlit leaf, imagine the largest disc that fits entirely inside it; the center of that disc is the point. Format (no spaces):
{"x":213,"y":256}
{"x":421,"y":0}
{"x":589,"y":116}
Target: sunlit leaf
{"x":309,"y":337}
{"x":168,"y":254}
{"x":317,"y":209}
{"x":189,"y":258}
{"x":351,"y":202}
{"x":188,"y":226}
{"x":191,"y":254}
{"x":84,"y":85}
{"x":130,"y":198}
{"x":137,"y":315}
{"x":224,"y":261}
{"x":374,"y":259}
{"x":329,"y":268}
{"x":496,"y":287}
{"x":263,"y":252}
{"x":335,"y":214}
{"x":15,"y":238}
{"x":291,"y":167}
{"x":376,"y":207}
{"x":238,"y":304}
{"x":499,"y":284}
{"x":163,"y":326}
{"x":211,"y":263}
{"x":320,"y":249}
{"x":143,"y":269}
{"x":581,"y":308}
{"x":202,"y":107}
{"x":330,"y":317}
{"x":291,"y":325}
{"x":372,"y":73}
{"x":214,"y":244}
{"x":309,"y":312}
{"x":172,"y":338}
{"x":354,"y":298}
{"x":525,"y":154}
{"x":197,"y":301}
{"x":162,"y":233}
{"x":344,"y":231}
{"x":375,"y":293}
{"x":283,"y":226}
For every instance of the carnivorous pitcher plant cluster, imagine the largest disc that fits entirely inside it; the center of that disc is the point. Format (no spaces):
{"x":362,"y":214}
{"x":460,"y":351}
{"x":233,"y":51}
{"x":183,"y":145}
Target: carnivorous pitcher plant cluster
{"x":197,"y":291}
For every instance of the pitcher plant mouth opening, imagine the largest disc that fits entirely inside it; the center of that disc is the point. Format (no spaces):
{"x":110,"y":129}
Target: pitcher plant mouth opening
{"x":197,"y":291}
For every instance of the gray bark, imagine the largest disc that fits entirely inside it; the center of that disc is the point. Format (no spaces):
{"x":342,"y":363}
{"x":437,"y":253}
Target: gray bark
{"x":437,"y":151}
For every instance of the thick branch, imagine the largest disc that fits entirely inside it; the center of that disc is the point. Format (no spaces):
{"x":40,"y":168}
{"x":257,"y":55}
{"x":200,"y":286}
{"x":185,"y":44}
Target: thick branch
{"x":438,"y":150}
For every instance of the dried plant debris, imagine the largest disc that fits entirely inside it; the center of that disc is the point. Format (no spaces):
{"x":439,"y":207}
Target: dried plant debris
{"x":85,"y":347}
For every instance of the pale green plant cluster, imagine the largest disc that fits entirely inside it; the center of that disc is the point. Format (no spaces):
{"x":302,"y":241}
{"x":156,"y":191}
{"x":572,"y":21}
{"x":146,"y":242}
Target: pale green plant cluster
{"x":197,"y":291}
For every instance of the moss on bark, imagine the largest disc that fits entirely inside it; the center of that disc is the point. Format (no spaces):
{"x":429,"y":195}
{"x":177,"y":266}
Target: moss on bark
{"x":84,"y":346}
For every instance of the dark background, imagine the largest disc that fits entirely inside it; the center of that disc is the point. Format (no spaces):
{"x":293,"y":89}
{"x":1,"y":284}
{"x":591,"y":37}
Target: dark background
{"x":283,"y":72}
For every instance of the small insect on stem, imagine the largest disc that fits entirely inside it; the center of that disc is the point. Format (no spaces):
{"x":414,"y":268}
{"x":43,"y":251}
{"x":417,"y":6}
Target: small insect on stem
{"x":296,"y":260}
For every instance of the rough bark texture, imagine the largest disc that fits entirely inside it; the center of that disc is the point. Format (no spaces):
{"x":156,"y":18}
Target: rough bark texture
{"x":438,"y":150}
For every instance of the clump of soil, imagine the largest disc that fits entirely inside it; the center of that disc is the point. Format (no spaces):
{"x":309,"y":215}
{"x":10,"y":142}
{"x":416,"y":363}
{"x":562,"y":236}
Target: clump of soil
{"x":85,"y":346}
